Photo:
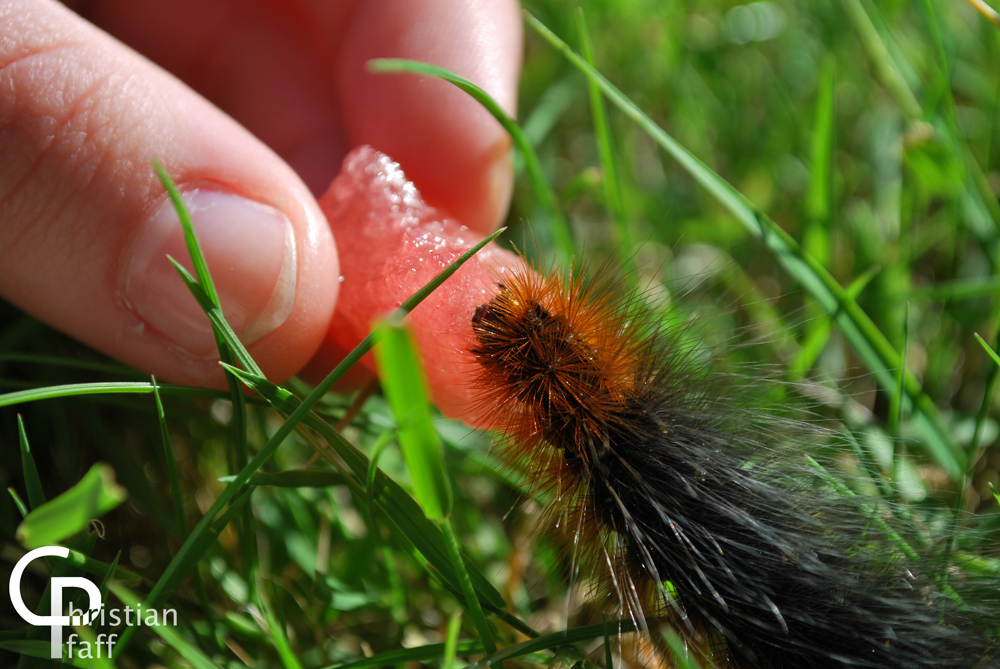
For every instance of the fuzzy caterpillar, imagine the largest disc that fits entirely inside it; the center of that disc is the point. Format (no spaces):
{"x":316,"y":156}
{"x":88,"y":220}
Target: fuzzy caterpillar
{"x":660,"y":477}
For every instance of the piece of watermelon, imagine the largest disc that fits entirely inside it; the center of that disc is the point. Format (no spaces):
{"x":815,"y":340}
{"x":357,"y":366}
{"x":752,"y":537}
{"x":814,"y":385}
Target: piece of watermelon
{"x":391,"y":244}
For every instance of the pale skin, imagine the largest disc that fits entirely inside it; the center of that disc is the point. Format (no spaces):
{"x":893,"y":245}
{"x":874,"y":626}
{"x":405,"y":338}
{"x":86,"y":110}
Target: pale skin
{"x":251,"y":106}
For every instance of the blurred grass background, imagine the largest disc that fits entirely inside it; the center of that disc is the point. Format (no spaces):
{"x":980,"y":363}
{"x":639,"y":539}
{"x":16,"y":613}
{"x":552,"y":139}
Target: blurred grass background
{"x":869,"y":132}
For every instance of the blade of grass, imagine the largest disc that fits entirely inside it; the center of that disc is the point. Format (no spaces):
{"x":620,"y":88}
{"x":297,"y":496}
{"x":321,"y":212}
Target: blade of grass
{"x":989,"y":349}
{"x":842,"y":489}
{"x":988,"y":12}
{"x":186,"y":556}
{"x":244,"y":626}
{"x":818,"y":337}
{"x":451,"y":639}
{"x":472,"y":603}
{"x":863,"y":335}
{"x":190,"y":239}
{"x":36,"y":496}
{"x":681,"y":652}
{"x":378,"y":448}
{"x":984,"y":408}
{"x":104,"y":388}
{"x":816,"y":226}
{"x":425,"y":653}
{"x":881,"y":483}
{"x":896,"y":402}
{"x":978,"y":198}
{"x":215,"y":316}
{"x":975,"y":445}
{"x":90,"y":565}
{"x":173,"y":479}
{"x":397,"y":594}
{"x":820,"y":198}
{"x":558,"y":98}
{"x":69,"y":363}
{"x":177,"y":495}
{"x":543,"y":191}
{"x":41,"y":649}
{"x":108,"y":575}
{"x":871,"y":469}
{"x":229,"y":346}
{"x":278,"y":636}
{"x":885,"y":67}
{"x":960,"y":289}
{"x":17,"y":502}
{"x":294,"y":478}
{"x":169,"y":635}
{"x":625,"y":240}
{"x":206,"y":539}
{"x":609,"y":660}
{"x":85,"y":563}
{"x":400,"y":512}
{"x":405,"y":389}
{"x":554,"y":640}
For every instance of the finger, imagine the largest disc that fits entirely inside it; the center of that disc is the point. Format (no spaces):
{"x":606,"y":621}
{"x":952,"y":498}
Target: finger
{"x":452,"y":149}
{"x":86,"y":225}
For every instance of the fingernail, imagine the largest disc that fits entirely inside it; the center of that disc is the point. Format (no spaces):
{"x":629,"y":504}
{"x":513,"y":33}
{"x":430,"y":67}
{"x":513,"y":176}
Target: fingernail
{"x":250,"y":251}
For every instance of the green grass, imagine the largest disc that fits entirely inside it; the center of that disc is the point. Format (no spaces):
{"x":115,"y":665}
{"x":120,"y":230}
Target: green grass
{"x":815,"y":166}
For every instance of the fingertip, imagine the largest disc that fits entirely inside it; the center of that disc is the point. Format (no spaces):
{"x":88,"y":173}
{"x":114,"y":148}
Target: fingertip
{"x":456,"y":153}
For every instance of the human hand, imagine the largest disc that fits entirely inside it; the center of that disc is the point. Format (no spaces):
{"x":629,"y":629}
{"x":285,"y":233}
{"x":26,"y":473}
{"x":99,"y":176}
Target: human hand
{"x":85,"y":224}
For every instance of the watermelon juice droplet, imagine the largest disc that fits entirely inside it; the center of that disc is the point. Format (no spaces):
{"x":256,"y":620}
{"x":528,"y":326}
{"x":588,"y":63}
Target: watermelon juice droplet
{"x":391,"y":243}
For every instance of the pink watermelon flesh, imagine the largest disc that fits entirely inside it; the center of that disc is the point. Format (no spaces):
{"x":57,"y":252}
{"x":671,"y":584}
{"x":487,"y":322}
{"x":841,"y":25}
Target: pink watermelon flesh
{"x":390,"y":244}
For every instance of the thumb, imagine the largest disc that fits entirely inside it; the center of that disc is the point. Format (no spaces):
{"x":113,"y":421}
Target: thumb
{"x":87,"y":226}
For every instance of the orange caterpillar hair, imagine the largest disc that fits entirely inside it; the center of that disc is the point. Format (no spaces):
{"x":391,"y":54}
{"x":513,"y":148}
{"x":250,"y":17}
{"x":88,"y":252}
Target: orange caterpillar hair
{"x":681,"y":498}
